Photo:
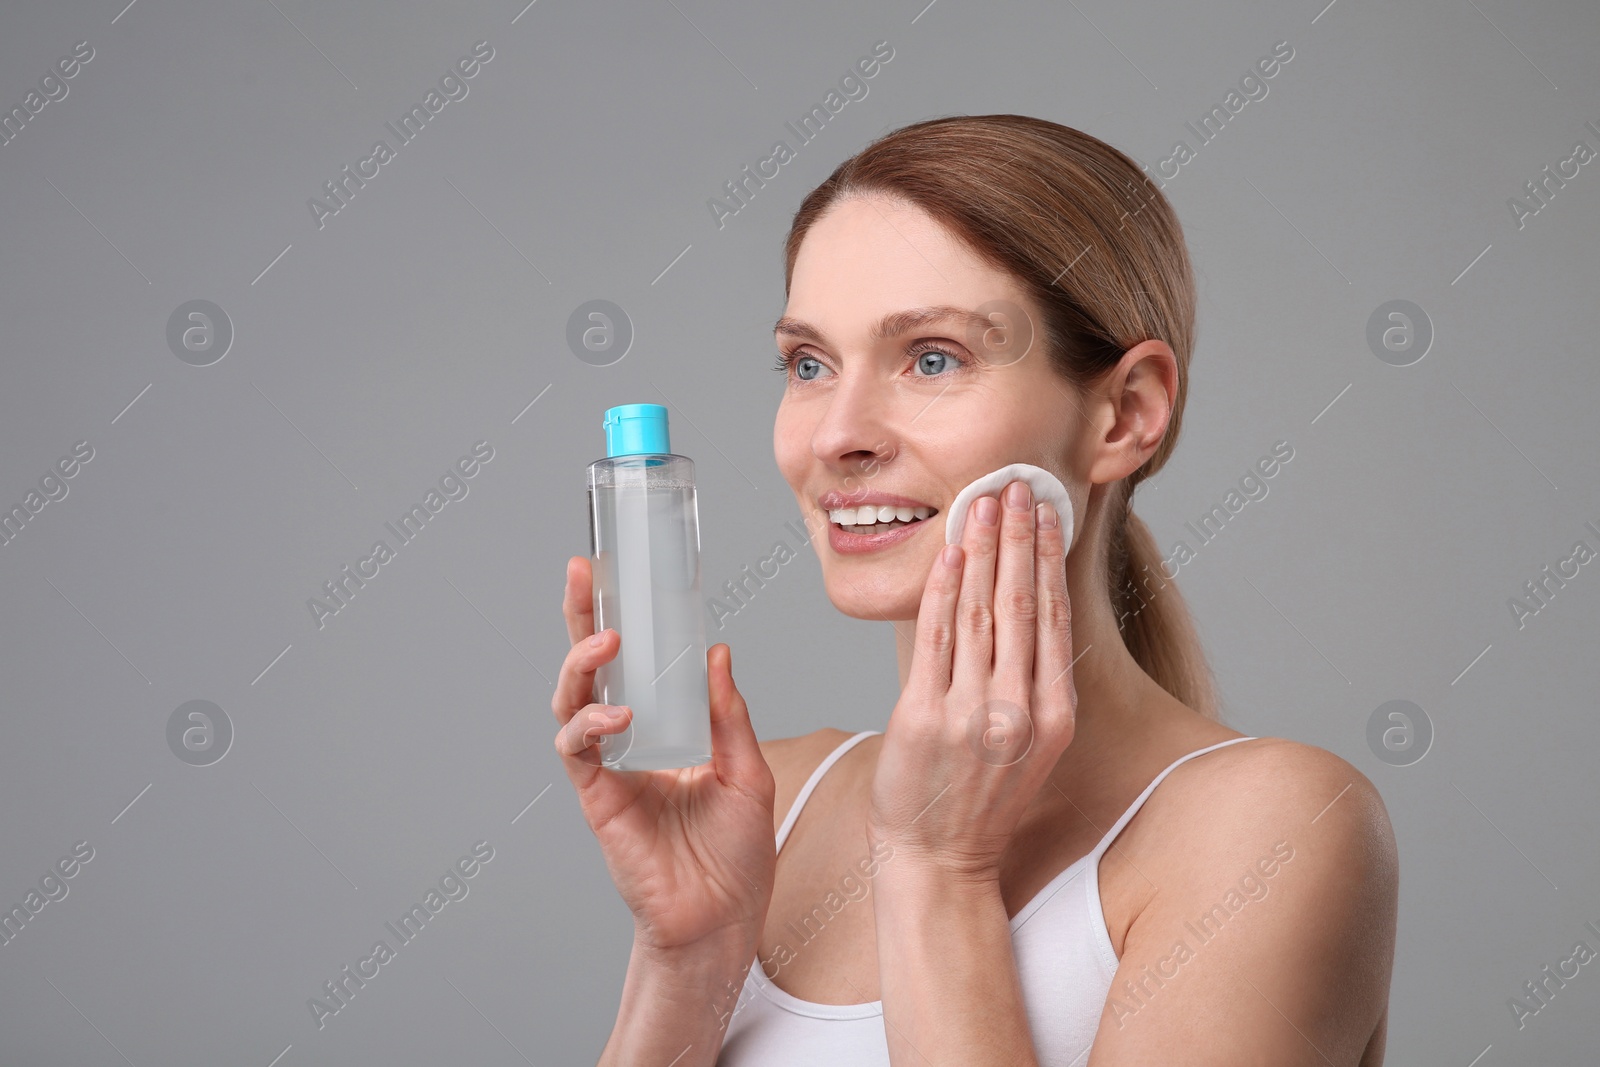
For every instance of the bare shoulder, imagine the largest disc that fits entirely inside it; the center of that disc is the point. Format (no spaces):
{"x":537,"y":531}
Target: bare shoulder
{"x":1273,"y":786}
{"x":1269,"y":859}
{"x":792,"y":759}
{"x":1230,"y":817}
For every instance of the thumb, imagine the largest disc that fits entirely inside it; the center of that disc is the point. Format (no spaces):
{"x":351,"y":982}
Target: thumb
{"x":734,"y":749}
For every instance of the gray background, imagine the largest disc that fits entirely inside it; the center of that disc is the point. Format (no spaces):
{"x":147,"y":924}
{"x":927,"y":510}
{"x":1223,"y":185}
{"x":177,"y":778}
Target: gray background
{"x":428,"y":314}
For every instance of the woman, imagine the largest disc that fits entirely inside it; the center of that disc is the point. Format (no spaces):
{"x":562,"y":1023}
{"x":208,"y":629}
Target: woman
{"x":995,"y":878}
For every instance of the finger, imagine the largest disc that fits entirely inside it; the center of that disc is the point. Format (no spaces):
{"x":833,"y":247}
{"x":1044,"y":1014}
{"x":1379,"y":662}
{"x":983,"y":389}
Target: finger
{"x":974,"y":656}
{"x":577,"y":739}
{"x":934,"y":647}
{"x":735,"y":752}
{"x":604,"y":792}
{"x":1016,"y":600}
{"x":577,"y":604}
{"x":575,"y":683}
{"x":1054,"y":689}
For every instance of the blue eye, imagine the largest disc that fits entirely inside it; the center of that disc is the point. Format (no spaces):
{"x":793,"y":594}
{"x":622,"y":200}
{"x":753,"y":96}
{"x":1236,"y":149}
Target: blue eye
{"x":934,"y":360}
{"x":931,"y":358}
{"x":786,"y":360}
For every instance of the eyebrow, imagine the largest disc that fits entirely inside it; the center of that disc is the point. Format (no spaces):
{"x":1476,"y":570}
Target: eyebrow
{"x":892,"y":324}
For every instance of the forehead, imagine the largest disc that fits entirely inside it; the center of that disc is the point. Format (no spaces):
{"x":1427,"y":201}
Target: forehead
{"x":868,"y":257}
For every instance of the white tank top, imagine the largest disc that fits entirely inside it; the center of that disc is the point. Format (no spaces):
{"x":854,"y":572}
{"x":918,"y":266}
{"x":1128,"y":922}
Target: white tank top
{"x":1064,"y":960}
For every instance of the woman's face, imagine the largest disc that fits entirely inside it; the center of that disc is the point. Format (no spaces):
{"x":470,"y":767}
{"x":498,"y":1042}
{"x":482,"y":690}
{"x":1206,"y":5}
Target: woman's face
{"x":912,"y":416}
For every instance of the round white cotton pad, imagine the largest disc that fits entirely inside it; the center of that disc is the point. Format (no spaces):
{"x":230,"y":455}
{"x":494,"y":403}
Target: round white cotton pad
{"x":1046,"y":486}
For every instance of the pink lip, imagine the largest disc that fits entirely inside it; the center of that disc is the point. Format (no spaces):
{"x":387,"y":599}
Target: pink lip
{"x":835,"y":499}
{"x":848,"y":544}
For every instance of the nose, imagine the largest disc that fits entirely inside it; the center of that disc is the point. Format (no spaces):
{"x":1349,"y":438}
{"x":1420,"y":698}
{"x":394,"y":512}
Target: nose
{"x":856,"y":432}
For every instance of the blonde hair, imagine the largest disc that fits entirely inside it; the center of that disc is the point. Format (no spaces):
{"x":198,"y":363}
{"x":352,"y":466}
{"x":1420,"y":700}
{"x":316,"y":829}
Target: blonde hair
{"x":1098,"y":248}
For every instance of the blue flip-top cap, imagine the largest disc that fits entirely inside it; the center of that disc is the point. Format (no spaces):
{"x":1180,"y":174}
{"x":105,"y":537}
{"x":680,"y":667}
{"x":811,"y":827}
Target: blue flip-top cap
{"x":636,"y":429}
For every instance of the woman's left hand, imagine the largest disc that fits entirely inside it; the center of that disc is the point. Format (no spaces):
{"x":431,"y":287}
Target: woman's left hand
{"x":989,"y":705}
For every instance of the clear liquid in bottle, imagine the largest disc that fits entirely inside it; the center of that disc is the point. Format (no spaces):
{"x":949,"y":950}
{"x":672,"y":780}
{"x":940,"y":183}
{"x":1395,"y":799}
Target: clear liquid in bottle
{"x":645,"y":547}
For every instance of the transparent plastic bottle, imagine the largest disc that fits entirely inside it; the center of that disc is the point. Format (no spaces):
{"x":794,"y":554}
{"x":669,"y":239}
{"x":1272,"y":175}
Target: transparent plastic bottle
{"x":644,"y":538}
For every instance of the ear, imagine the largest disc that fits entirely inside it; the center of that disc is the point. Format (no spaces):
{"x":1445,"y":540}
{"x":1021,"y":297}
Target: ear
{"x":1133,"y":405}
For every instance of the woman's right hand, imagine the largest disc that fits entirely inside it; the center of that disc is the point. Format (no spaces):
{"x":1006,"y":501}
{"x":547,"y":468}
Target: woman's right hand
{"x":691,"y":850}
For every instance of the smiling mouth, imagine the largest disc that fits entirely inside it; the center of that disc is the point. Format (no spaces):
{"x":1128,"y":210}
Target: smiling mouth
{"x":868,"y":520}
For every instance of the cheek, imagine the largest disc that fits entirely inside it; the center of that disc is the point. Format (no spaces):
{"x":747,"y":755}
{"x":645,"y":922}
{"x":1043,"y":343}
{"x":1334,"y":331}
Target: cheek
{"x":790,"y":444}
{"x":972,"y":445}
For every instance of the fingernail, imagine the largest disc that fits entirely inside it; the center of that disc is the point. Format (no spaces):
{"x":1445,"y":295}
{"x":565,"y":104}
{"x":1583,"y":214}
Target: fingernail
{"x":1018,"y":496}
{"x":598,"y":639}
{"x":1046,"y":513}
{"x":988,"y":510}
{"x":951,"y":555}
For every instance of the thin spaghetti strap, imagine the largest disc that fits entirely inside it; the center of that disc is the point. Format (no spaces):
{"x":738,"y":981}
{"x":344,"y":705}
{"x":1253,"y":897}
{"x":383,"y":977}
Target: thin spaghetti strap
{"x":811,"y":783}
{"x":1133,"y":809}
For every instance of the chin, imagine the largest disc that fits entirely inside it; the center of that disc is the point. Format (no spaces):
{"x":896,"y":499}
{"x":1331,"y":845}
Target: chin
{"x":877,"y":595}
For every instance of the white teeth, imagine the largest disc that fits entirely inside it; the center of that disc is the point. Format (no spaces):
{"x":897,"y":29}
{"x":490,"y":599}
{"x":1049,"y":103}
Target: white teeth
{"x":870,"y":515}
